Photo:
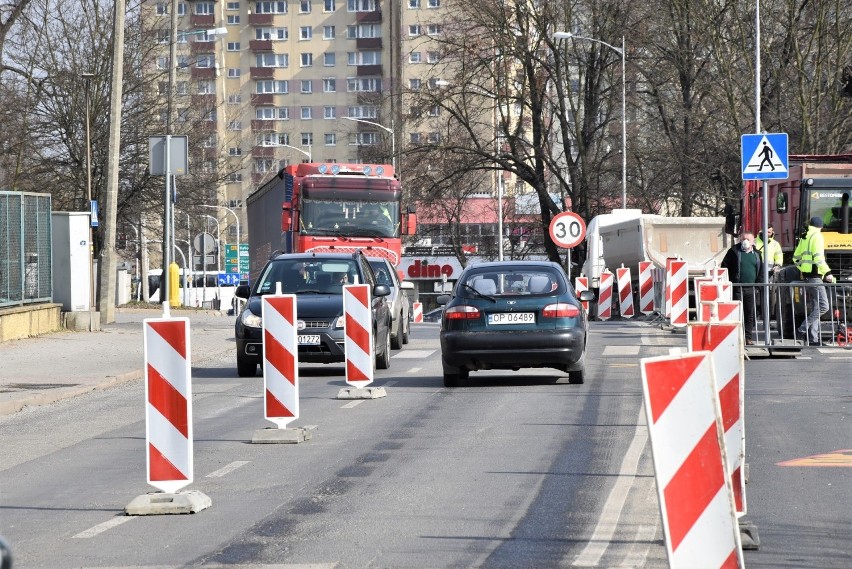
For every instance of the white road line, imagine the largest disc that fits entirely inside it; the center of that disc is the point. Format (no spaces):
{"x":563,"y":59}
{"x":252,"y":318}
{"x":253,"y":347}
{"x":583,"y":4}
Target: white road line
{"x":414,"y":354}
{"x":227,"y":469}
{"x":414,"y":370}
{"x":390,"y":383}
{"x":621,"y":351}
{"x":352,"y":404}
{"x":611,"y":513}
{"x":100,"y":528}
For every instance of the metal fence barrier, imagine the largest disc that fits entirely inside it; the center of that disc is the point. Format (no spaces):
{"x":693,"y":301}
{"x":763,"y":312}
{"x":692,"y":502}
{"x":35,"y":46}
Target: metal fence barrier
{"x":791,"y":305}
{"x":25,"y":248}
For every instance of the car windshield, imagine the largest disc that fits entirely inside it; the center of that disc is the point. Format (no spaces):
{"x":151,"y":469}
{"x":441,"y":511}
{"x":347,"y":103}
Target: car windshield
{"x":511,"y":282}
{"x":320,"y":276}
{"x":351,"y":218}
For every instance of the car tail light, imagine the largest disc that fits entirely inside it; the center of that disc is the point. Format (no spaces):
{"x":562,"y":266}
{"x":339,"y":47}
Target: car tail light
{"x":560,"y":310}
{"x":462,"y":312}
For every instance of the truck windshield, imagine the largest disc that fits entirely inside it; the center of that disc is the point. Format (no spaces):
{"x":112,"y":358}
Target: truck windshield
{"x":827,"y":205}
{"x":349,"y":218}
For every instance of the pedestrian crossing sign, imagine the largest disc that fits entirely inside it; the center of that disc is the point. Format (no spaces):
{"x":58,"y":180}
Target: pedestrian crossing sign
{"x":764,"y":156}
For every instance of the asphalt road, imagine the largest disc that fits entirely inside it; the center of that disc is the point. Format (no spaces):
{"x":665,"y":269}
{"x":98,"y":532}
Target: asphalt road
{"x":513,"y":469}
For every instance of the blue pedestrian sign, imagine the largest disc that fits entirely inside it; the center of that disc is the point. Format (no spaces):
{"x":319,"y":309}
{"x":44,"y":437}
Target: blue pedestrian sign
{"x":764,"y":156}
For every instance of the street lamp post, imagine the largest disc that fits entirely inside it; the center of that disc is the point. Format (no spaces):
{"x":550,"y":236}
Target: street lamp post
{"x":297,"y":149}
{"x":384,"y":128}
{"x":236,"y":218}
{"x":88,"y":77}
{"x":621,"y":51}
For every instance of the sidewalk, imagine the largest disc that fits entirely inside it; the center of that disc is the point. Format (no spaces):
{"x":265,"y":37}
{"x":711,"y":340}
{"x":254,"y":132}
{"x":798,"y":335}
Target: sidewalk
{"x":49,"y":368}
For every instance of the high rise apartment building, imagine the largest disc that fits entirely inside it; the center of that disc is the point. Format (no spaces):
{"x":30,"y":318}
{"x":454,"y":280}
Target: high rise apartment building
{"x":281,"y":79}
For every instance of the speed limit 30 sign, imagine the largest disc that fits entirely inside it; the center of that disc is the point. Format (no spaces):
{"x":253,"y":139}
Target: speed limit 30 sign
{"x":567,"y":229}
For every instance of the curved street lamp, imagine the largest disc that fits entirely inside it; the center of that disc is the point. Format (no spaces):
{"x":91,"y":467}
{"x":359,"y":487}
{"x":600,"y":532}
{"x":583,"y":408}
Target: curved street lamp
{"x":567,"y":36}
{"x":384,"y":128}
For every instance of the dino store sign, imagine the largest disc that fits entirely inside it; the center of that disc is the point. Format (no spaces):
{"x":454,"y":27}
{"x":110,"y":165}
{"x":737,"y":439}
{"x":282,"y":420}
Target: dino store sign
{"x":434,"y":268}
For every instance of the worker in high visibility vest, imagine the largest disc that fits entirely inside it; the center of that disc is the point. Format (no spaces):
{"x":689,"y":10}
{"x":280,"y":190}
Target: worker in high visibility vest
{"x":809,"y":257}
{"x":774,"y":258}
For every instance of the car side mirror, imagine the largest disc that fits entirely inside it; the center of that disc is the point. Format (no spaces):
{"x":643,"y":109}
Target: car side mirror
{"x":781,"y":202}
{"x":443,"y":299}
{"x":586,"y":295}
{"x":381,"y":290}
{"x":242,"y":291}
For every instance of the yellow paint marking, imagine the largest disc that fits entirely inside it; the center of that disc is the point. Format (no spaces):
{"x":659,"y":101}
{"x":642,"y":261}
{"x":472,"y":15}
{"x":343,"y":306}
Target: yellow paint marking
{"x":836,"y":458}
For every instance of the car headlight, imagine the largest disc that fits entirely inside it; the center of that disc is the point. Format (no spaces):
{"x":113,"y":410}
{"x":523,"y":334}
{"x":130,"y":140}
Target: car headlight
{"x":338,"y":324}
{"x":250,"y":319}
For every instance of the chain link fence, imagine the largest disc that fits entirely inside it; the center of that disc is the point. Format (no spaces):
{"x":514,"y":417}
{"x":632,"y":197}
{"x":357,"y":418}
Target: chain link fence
{"x":25,"y":248}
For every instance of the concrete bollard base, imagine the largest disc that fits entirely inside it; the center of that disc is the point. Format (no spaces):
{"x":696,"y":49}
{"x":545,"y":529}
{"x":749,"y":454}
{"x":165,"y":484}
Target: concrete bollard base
{"x":272,"y":435}
{"x":362,"y":393}
{"x":748,"y":535}
{"x":160,"y":503}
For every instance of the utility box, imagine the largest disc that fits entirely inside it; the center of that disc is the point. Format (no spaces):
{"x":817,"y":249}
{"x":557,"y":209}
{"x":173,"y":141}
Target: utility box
{"x":71,"y":269}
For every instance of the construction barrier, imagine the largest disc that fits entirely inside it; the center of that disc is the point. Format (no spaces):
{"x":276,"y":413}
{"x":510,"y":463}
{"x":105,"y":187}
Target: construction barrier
{"x":417,"y":312}
{"x":358,"y":342}
{"x":667,"y":302}
{"x":625,"y":293}
{"x":280,"y":359}
{"x":581,"y":283}
{"x":646,"y":287}
{"x":720,"y":311}
{"x":688,"y":448}
{"x":605,"y":296}
{"x":724,"y":341}
{"x":168,"y":412}
{"x":679,"y":291}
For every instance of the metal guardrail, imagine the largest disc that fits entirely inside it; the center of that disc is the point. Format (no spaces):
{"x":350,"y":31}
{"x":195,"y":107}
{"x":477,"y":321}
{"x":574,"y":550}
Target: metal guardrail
{"x":790,"y":305}
{"x":25,"y":248}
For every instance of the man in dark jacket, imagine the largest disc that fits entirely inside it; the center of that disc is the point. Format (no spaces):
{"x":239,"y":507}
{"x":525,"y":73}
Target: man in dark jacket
{"x":745,"y":267}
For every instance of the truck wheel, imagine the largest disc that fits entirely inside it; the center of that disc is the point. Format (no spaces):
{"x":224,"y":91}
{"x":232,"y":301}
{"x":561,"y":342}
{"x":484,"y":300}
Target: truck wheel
{"x":396,"y":339}
{"x":246,"y":368}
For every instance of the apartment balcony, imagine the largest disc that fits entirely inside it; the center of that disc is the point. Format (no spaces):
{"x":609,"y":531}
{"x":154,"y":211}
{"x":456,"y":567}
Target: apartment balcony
{"x":260,"y":19}
{"x":262,"y":126}
{"x":198,"y":47}
{"x":258,"y":177}
{"x":202,"y":20}
{"x":263,"y":99}
{"x":369,"y":17}
{"x":369,"y":70}
{"x":204,"y":101}
{"x":368,"y":43}
{"x":203,"y":73}
{"x":263,"y":151}
{"x":262,"y":72}
{"x":260,"y":45}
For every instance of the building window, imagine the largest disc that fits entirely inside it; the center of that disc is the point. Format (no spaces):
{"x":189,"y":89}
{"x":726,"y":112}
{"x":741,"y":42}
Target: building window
{"x":270,"y":7}
{"x":272,"y":60}
{"x":329,"y":112}
{"x":233,"y":46}
{"x":233,"y":19}
{"x":205,"y":61}
{"x":232,"y":6}
{"x":306,"y":113}
{"x":363,"y":138}
{"x":372,"y":57}
{"x":274,"y":34}
{"x":433,"y":57}
{"x":203,"y":8}
{"x":307,"y":139}
{"x":272,"y":139}
{"x":434,"y":3}
{"x":304,"y":6}
{"x":434,"y":137}
{"x":234,"y":177}
{"x":329,"y":85}
{"x":361,"y":31}
{"x":330,"y":139}
{"x":272,"y":113}
{"x":163,"y":36}
{"x":235,"y":99}
{"x":415,"y":138}
{"x":414,"y":4}
{"x":306,"y":32}
{"x":162,"y":63}
{"x":415,"y":57}
{"x":235,"y":151}
{"x":328,"y":32}
{"x":235,"y":125}
{"x":433,"y":29}
{"x":206,"y":88}
{"x":328,"y":6}
{"x":306,"y":60}
{"x":182,"y":88}
{"x":414,"y":84}
{"x":234,"y":72}
{"x":275,"y":87}
{"x":414,"y":30}
{"x":306,"y":86}
{"x":435,"y":111}
{"x":361,"y":5}
{"x":364,"y":112}
{"x":262,"y":165}
{"x":162,"y":8}
{"x":363,"y":85}
{"x":328,"y":59}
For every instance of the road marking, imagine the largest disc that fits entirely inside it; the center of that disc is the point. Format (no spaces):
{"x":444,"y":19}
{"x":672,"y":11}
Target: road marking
{"x":352,"y":404}
{"x":227,"y":469}
{"x":841,"y":457}
{"x":624,"y":365}
{"x":414,"y":354}
{"x":414,"y":370}
{"x":100,"y":528}
{"x":621,"y":351}
{"x":611,"y":513}
{"x":841,"y":358}
{"x":391,"y":383}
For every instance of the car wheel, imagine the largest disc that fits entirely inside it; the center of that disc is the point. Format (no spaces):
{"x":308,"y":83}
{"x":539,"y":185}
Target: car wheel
{"x":396,"y":339}
{"x":383,"y":359}
{"x":246,"y":368}
{"x":576,"y":377}
{"x":451,"y":380}
{"x":406,"y":330}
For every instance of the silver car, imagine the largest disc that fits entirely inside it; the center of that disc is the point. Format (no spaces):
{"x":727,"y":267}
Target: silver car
{"x":398,"y":301}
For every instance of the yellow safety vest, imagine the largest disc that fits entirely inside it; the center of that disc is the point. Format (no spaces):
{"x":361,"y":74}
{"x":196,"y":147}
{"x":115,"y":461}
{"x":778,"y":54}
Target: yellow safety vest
{"x":810,"y":254}
{"x":774,"y":255}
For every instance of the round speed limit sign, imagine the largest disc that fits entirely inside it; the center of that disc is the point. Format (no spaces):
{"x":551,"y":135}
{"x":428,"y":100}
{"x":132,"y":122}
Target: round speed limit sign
{"x":567,"y":229}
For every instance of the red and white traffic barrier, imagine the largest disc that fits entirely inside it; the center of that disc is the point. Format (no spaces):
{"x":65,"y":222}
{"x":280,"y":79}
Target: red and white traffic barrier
{"x":417,"y":312}
{"x":679,"y":293}
{"x":625,"y":293}
{"x":724,"y":341}
{"x":646,"y":287}
{"x":280,"y":359}
{"x":168,"y":412}
{"x":581,"y":283}
{"x":605,"y":296}
{"x":721,"y":311}
{"x":715,"y":290}
{"x":688,"y":444}
{"x":667,"y":308}
{"x":358,"y":342}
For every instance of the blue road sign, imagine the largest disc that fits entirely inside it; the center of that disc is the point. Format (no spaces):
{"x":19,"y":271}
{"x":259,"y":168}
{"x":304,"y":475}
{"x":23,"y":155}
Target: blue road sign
{"x":764,"y":156}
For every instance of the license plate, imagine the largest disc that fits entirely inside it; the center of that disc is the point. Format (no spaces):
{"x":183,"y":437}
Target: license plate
{"x":309,"y":339}
{"x":512,"y":318}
